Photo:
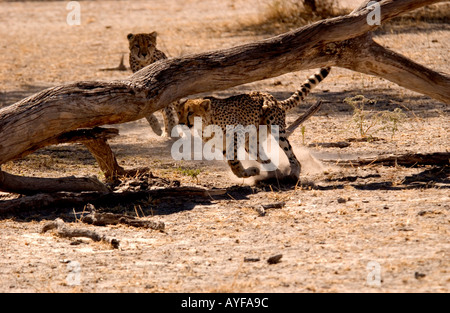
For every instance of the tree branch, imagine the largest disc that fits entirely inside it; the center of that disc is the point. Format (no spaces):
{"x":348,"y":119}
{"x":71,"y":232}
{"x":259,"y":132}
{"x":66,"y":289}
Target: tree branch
{"x":364,"y":55}
{"x":63,"y":231}
{"x":33,"y":185}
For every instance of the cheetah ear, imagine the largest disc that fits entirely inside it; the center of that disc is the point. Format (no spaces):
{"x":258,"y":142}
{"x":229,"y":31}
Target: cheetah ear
{"x":206,"y":104}
{"x":154,"y":35}
{"x":181,"y":103}
{"x":130,"y":36}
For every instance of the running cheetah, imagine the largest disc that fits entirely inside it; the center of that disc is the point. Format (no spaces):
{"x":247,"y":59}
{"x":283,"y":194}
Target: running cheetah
{"x":255,"y":108}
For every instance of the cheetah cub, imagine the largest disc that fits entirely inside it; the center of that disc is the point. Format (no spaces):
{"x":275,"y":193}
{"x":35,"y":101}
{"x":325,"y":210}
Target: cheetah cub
{"x":255,"y":108}
{"x":143,"y":52}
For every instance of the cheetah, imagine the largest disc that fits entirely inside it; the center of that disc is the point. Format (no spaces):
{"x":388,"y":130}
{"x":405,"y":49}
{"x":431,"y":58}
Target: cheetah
{"x":255,"y":108}
{"x":143,"y":52}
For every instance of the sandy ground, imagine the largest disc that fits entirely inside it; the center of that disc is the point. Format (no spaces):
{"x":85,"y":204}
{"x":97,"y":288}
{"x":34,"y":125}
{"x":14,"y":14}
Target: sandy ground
{"x":335,"y":236}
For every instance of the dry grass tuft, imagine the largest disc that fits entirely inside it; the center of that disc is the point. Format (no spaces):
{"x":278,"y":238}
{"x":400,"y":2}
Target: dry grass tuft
{"x":281,"y":15}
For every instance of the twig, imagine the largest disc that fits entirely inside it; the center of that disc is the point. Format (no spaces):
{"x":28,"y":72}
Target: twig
{"x":64,"y":231}
{"x":338,"y":144}
{"x":102,"y":219}
{"x":261,"y":209}
{"x":310,"y":112}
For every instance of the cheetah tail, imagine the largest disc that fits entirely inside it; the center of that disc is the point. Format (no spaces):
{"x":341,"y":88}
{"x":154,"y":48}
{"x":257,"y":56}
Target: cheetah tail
{"x":305,"y":88}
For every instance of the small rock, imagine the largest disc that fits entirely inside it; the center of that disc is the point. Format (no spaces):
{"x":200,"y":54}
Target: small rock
{"x":418,"y":275}
{"x":65,"y":261}
{"x":260,"y":210}
{"x":275,"y":259}
{"x":251,"y":259}
{"x":341,"y":200}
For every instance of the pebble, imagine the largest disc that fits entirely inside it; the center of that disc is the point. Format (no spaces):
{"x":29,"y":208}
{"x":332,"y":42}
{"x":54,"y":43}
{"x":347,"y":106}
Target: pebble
{"x":275,"y":259}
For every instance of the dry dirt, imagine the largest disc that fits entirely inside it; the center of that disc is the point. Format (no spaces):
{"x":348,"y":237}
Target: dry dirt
{"x":329,"y":234}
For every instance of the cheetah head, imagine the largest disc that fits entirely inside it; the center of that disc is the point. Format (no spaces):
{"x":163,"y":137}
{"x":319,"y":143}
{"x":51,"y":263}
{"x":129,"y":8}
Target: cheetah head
{"x":192,"y":108}
{"x":142,"y":46}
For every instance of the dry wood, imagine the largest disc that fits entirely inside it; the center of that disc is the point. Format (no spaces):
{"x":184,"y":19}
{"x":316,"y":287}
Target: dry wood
{"x":409,"y":159}
{"x":75,"y":199}
{"x":250,"y":259}
{"x":62,"y":230}
{"x":299,"y":121}
{"x":261,"y":209}
{"x":95,"y":140}
{"x":86,"y":134}
{"x":103,"y":219}
{"x":373,"y":59}
{"x":339,"y":144}
{"x":32,"y":185}
{"x":36,"y":121}
{"x":105,"y":158}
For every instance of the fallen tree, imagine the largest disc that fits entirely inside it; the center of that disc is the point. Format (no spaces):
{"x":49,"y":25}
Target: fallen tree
{"x":345,"y":41}
{"x":78,"y":199}
{"x":408,"y":159}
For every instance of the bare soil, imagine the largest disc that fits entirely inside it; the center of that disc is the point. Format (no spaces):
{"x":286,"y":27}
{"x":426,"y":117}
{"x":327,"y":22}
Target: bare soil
{"x":328,"y":231}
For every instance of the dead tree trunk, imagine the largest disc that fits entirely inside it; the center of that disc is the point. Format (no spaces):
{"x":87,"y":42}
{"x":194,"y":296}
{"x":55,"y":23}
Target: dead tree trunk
{"x":36,"y":121}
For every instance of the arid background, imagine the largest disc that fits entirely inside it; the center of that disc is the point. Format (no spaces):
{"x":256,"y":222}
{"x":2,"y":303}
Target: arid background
{"x":329,"y":232}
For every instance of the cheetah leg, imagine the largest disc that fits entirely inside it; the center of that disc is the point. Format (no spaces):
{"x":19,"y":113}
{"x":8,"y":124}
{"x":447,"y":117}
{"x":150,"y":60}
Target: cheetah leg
{"x":261,"y":156}
{"x":287,"y":148}
{"x":169,"y":120}
{"x":266,"y":161}
{"x":154,"y":124}
{"x":240,"y":171}
{"x":263,"y":159}
{"x":236,"y":165}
